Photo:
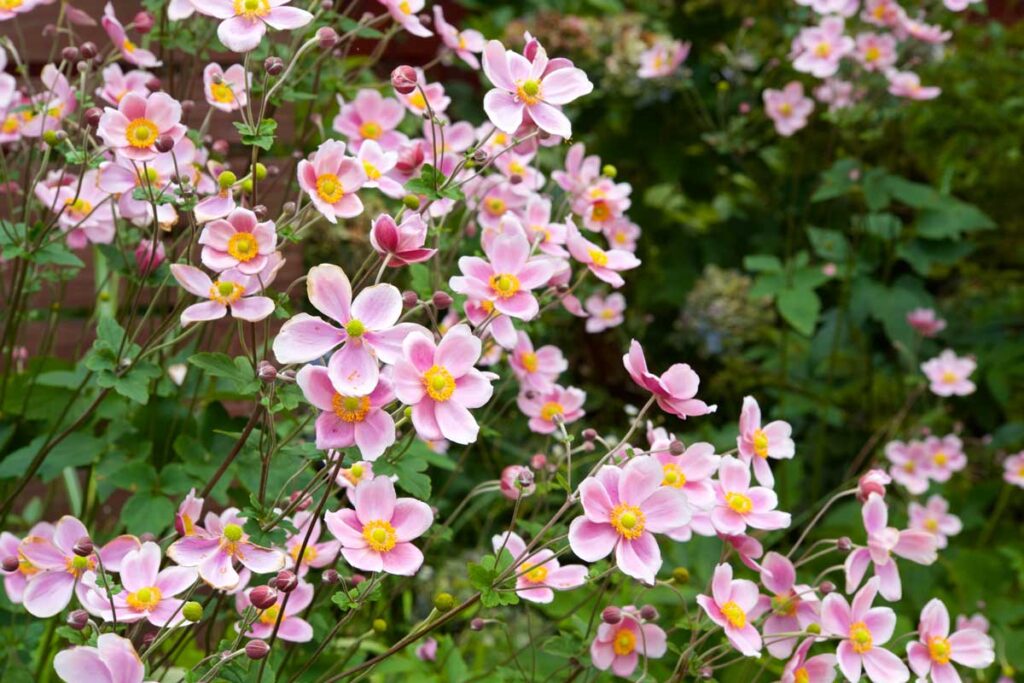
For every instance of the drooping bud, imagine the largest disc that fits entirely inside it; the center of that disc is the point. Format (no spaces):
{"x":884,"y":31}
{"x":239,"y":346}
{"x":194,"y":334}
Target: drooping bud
{"x":649,"y":613}
{"x":327,"y":37}
{"x":411,"y":201}
{"x":477,"y":624}
{"x":261,"y":212}
{"x":404,"y":79}
{"x":589,"y":434}
{"x":873,"y":481}
{"x":266,"y":371}
{"x":441,"y":300}
{"x":286,"y":581}
{"x":256,"y":649}
{"x":330,"y":577}
{"x":676,"y":447}
{"x":274,"y":66}
{"x":410,"y":299}
{"x":164,"y":144}
{"x":826,"y":587}
{"x":88,"y":50}
{"x":192,"y":610}
{"x":78,"y":619}
{"x":69,"y":54}
{"x":263,"y":597}
{"x":93,"y":116}
{"x":143,"y":22}
{"x":11,"y":564}
{"x":611,"y":615}
{"x":83,"y":547}
{"x":480,"y":156}
{"x":844,"y":544}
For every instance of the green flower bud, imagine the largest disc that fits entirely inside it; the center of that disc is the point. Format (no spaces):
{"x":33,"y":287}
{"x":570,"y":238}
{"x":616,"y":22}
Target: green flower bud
{"x":609,"y":171}
{"x":444,"y":602}
{"x":192,"y":610}
{"x":260,"y":171}
{"x":411,"y":201}
{"x":247,"y":186}
{"x":380,"y":626}
{"x":226,"y":179}
{"x":681,"y":575}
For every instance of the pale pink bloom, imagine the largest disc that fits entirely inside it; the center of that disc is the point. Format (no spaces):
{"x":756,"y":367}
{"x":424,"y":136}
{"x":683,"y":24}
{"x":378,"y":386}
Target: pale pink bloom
{"x":844,"y":8}
{"x":462,"y":43}
{"x":130,"y":52}
{"x":371,"y":116}
{"x":495,"y":202}
{"x":240,"y":241}
{"x":117,"y":84}
{"x":662,"y":59}
{"x":401,"y":244}
{"x":1013,"y":469}
{"x":876,"y":51}
{"x":883,"y":13}
{"x":523,"y":178}
{"x":872,"y":481}
{"x":214,"y":552}
{"x":800,"y":669}
{"x":58,"y":570}
{"x":148,"y":592}
{"x":949,"y":374}
{"x":406,"y":14}
{"x":747,"y":547}
{"x":739,"y":505}
{"x":113,"y":660}
{"x":10,"y":10}
{"x":85,"y":214}
{"x":505,"y":277}
{"x":432,"y":94}
{"x":539,"y":574}
{"x":517,"y":482}
{"x":536,"y":369}
{"x":180,"y":9}
{"x":756,"y":443}
{"x":441,"y":385}
{"x":187,"y":516}
{"x":791,"y":607}
{"x":932,"y":34}
{"x":926,"y":322}
{"x":377,"y":164}
{"x":690,"y":472}
{"x":527,"y":89}
{"x":882,"y":543}
{"x":375,"y":536}
{"x":864,"y":629}
{"x":547,"y":407}
{"x":350,"y":477}
{"x":605,"y":264}
{"x":958,"y":5}
{"x":549,"y":237}
{"x":944,"y":456}
{"x":348,"y":421}
{"x":935,"y":519}
{"x":331,"y":179}
{"x":837,"y":94}
{"x":604,"y":312}
{"x":937,"y":650}
{"x":622,"y":233}
{"x":602,"y":203}
{"x":909,"y":465}
{"x":675,"y":389}
{"x":908,"y":84}
{"x":14,"y":582}
{"x":788,"y":108}
{"x":820,"y":48}
{"x":217,"y":205}
{"x":580,"y":170}
{"x":292,"y":627}
{"x":978,"y":622}
{"x":133,"y":128}
{"x":225,"y":89}
{"x":732,"y":606}
{"x":233,"y":291}
{"x":619,"y":646}
{"x":244,"y":22}
{"x":427,"y":652}
{"x":623,"y":507}
{"x":51,"y":104}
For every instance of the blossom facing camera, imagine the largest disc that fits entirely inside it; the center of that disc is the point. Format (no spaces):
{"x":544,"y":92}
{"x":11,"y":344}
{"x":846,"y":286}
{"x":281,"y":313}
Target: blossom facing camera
{"x":864,"y":630}
{"x":539,"y":574}
{"x":245,"y":22}
{"x":949,"y":374}
{"x":731,"y":605}
{"x":239,"y":241}
{"x":133,"y":129}
{"x":788,"y":108}
{"x":756,"y":443}
{"x":619,"y":646}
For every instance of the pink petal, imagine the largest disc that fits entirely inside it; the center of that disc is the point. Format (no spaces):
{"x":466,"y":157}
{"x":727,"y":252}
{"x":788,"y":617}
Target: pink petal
{"x":374,"y":434}
{"x":47,"y":593}
{"x":305,"y":338}
{"x":329,"y":290}
{"x":79,"y":664}
{"x":411,"y":519}
{"x":590,"y":541}
{"x":456,"y":423}
{"x":639,"y":557}
{"x":375,"y":500}
{"x":404,"y":559}
{"x":504,"y":110}
{"x":353,"y":369}
{"x":378,"y":307}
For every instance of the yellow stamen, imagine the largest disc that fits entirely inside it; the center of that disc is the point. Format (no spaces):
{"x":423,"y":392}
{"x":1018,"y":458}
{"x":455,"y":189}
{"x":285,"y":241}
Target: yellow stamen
{"x":329,"y":188}
{"x":860,"y":638}
{"x":269,"y":615}
{"x":504,"y":285}
{"x":673,"y":476}
{"x":734,"y":614}
{"x":222,"y":92}
{"x":760,"y":443}
{"x":628,"y":520}
{"x":533,"y":573}
{"x":529,"y":91}
{"x":598,"y":257}
{"x":243,"y":246}
{"x":144,"y":599}
{"x":380,"y":535}
{"x":529,"y":361}
{"x":550,"y":410}
{"x":141,"y":133}
{"x":439,"y":383}
{"x":351,"y":408}
{"x":739,"y":503}
{"x":624,"y":642}
{"x":371,"y":130}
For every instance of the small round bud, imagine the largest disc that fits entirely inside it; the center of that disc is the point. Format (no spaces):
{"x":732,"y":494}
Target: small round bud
{"x":143,"y":22}
{"x":444,"y":602}
{"x":411,"y":201}
{"x":226,"y":179}
{"x":589,"y":434}
{"x":380,"y":626}
{"x":441,"y":300}
{"x":611,"y":615}
{"x":404,"y":79}
{"x":263,"y":597}
{"x":302,"y":504}
{"x":261,"y":212}
{"x":648,"y":613}
{"x":477,"y":624}
{"x":274,"y":66}
{"x":50,"y":137}
{"x":187,"y":106}
{"x":327,"y":37}
{"x":826,"y":587}
{"x":220,"y":146}
{"x":256,"y":649}
{"x":164,"y":144}
{"x":49,"y":30}
{"x":515,"y":179}
{"x":11,"y":564}
{"x":357,"y":579}
{"x":681,"y":575}
{"x":260,"y":171}
{"x":480,"y":156}
{"x":676,"y":447}
{"x":609,"y":171}
{"x":69,"y":54}
{"x":286,"y":581}
{"x":83,"y":547}
{"x":93,"y":116}
{"x":192,"y":610}
{"x":538,"y":461}
{"x":78,"y":619}
{"x":410,"y":299}
{"x":88,"y":50}
{"x":288,"y":208}
{"x":814,"y":628}
{"x":247,"y":186}
{"x":844,"y":544}
{"x":266,"y":371}
{"x":153,"y":83}
{"x":330,"y":577}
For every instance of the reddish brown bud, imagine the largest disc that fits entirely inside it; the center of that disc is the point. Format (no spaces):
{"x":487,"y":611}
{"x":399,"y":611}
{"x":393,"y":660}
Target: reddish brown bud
{"x":263,"y":597}
{"x":404,"y":79}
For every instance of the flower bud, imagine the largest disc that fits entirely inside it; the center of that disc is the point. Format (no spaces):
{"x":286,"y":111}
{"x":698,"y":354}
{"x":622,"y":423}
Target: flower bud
{"x":515,"y":179}
{"x":441,"y":300}
{"x":517,"y":482}
{"x":83,"y":547}
{"x":263,"y":597}
{"x":814,"y":628}
{"x":259,"y":171}
{"x":330,"y":577}
{"x":78,"y":619}
{"x":873,"y":481}
{"x":826,"y":587}
{"x":444,"y":602}
{"x":609,"y":171}
{"x":357,"y":579}
{"x":51,"y":138}
{"x":148,"y":639}
{"x":706,"y":673}
{"x":410,"y":299}
{"x":477,"y":624}
{"x":844,"y":544}
{"x":93,"y":116}
{"x":538,"y":461}
{"x":411,"y":201}
{"x":69,"y":54}
{"x":187,"y":106}
{"x":147,"y":537}
{"x":220,"y":146}
{"x":403,"y":79}
{"x":11,"y":564}
{"x":589,"y":434}
{"x":649,"y":613}
{"x":676,"y":447}
{"x":256,"y":649}
{"x":261,"y":212}
{"x":88,"y":50}
{"x":681,"y":575}
{"x":192,"y":611}
{"x":380,"y":626}
{"x":247,"y":186}
{"x":274,"y":66}
{"x":266,"y":371}
{"x":153,"y":83}
{"x":143,"y":22}
{"x":164,"y":144}
{"x":226,"y":179}
{"x":480,"y":156}
{"x":611,"y":615}
{"x":327,"y":37}
{"x":286,"y":581}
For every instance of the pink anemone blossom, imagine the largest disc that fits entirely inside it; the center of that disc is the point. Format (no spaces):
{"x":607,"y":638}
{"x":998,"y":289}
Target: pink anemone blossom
{"x":539,"y":574}
{"x":935,"y":518}
{"x":908,"y":84}
{"x":239,"y":241}
{"x":348,"y":421}
{"x":949,"y":374}
{"x":934,"y":654}
{"x":463,"y":43}
{"x":406,"y":14}
{"x":926,"y":322}
{"x":317,"y":554}
{"x":788,"y":108}
{"x":133,"y":129}
{"x":187,"y":516}
{"x":536,"y":369}
{"x":619,"y":646}
{"x":674,"y":390}
{"x":606,"y":264}
{"x":731,"y":605}
{"x":16,"y":580}
{"x":225,"y":89}
{"x":801,"y":669}
{"x":690,"y":472}
{"x":756,"y":443}
{"x":113,"y":660}
{"x":117,"y":84}
{"x":1013,"y":470}
{"x":662,"y":59}
{"x":739,"y":505}
{"x":909,"y":465}
{"x":820,"y":48}
{"x":371,"y":116}
{"x":244,"y":22}
{"x":331,"y":180}
{"x":401,"y":244}
{"x":283,"y":617}
{"x":130,"y":52}
{"x":604,"y":312}
{"x":791,"y":607}
{"x":863,"y":630}
{"x":876,"y":51}
{"x":550,"y":406}
{"x":944,"y":456}
{"x":233,"y":291}
{"x":377,"y":164}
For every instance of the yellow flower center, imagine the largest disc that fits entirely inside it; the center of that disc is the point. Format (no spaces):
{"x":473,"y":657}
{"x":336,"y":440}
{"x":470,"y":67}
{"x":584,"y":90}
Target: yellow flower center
{"x":598,"y":257}
{"x":823,"y":50}
{"x":141,"y":133}
{"x":380,"y":535}
{"x":10,"y":124}
{"x":77,"y":209}
{"x":516,"y":167}
{"x":529,"y":91}
{"x":607,"y":314}
{"x":860,"y":638}
{"x":533,"y":573}
{"x":949,"y":377}
{"x":495,"y":206}
{"x":404,"y":7}
{"x":351,"y":408}
{"x":739,"y":503}
{"x":371,"y":171}
{"x":252,"y":8}
{"x":600,"y":212}
{"x":354,"y":474}
{"x":628,"y":520}
{"x":329,"y":188}
{"x":801,"y":675}
{"x":355,"y":328}
{"x":188,"y":525}
{"x":939,"y":649}
{"x":620,"y":237}
{"x":25,"y":567}
{"x":439,"y":383}
{"x":269,"y":615}
{"x":486,"y":305}
{"x":78,"y":565}
{"x":931,"y":524}
{"x":504,"y":285}
{"x":872,"y":54}
{"x":784,"y":605}
{"x":222,"y":92}
{"x":550,"y":410}
{"x":307,"y":556}
{"x":144,"y":599}
{"x":785,"y":109}
{"x":529,"y":361}
{"x":940,"y":458}
{"x":624,"y":642}
{"x":370,"y":130}
{"x":673,"y":476}
{"x":233,"y":532}
{"x":760,"y":443}
{"x":734,"y":614}
{"x":11,"y":4}
{"x":225,"y":292}
{"x":500,"y":139}
{"x":909,"y":466}
{"x":417,"y":101}
{"x":242,"y":245}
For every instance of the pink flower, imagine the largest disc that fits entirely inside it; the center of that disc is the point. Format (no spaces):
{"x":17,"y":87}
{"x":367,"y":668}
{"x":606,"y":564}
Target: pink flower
{"x":932,"y":34}
{"x":539,"y":574}
{"x":180,"y":9}
{"x":908,"y":84}
{"x":976,"y":621}
{"x":619,"y":646}
{"x":936,"y":651}
{"x":926,"y":322}
{"x":244,"y":22}
{"x":53,"y":102}
{"x":863,"y":629}
{"x":12,"y":10}
{"x":1013,"y":469}
{"x":371,"y":116}
{"x":791,"y":607}
{"x":427,"y":652}
{"x":117,"y":84}
{"x":909,"y":465}
{"x":113,"y":660}
{"x":883,"y":542}
{"x":401,"y":244}
{"x":536,"y":369}
{"x":623,"y":233}
{"x":133,"y":128}
{"x":331,"y":180}
{"x":59,"y":570}
{"x":872,"y":481}
{"x":580,"y":170}
{"x":375,"y":536}
{"x":935,"y":519}
{"x":214,"y":552}
{"x":605,"y":264}
{"x":367,"y":332}
{"x":517,"y":482}
{"x":690,"y":472}
{"x":225,"y":90}
{"x":15,"y":581}
{"x":602,"y":204}
{"x":551,"y":405}
{"x":293,"y":628}
{"x":149,"y":256}
{"x":233,"y":290}
{"x":757,"y":444}
{"x":949,"y":374}
{"x":837,"y":94}
{"x":820,"y":48}
{"x":441,"y":384}
{"x":662,"y":59}
{"x":944,"y":456}
{"x":130,"y":52}
{"x":462,"y":43}
{"x":406,"y":14}
{"x":377,"y":164}
{"x":239,"y":242}
{"x":730,"y":605}
{"x":348,"y":421}
{"x":883,"y":13}
{"x":747,"y":547}
{"x":538,"y":227}
{"x":529,"y":90}
{"x":622,"y":510}
{"x":506,"y":277}
{"x":188,"y":514}
{"x":800,"y":669}
{"x":674,"y":390}
{"x":739,"y":505}
{"x":788,"y":108}
{"x":85,"y":215}
{"x":876,"y":51}
{"x":605,"y":312}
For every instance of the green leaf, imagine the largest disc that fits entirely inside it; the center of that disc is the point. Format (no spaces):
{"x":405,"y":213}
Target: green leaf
{"x":951,"y":219}
{"x":237,"y":370}
{"x":883,"y":225}
{"x":875,"y":189}
{"x":762,"y":263}
{"x":837,"y":181}
{"x":262,"y":137}
{"x":147,"y":511}
{"x":77,"y":449}
{"x":348,"y":25}
{"x":829,"y":244}
{"x":410,"y":472}
{"x":800,"y":308}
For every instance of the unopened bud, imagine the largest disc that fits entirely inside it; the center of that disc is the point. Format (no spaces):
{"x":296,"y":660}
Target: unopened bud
{"x":844,"y":544}
{"x":266,"y":371}
{"x":147,"y":537}
{"x":93,"y":116}
{"x":410,"y":299}
{"x":143,"y":22}
{"x":403,"y":79}
{"x":260,"y":171}
{"x":78,"y":619}
{"x":164,"y":143}
{"x":611,"y":615}
{"x":380,"y":626}
{"x":327,"y":37}
{"x":330,"y":577}
{"x":480,"y":156}
{"x":261,"y":212}
{"x":153,"y":83}
{"x":88,"y":50}
{"x":444,"y":602}
{"x":411,"y":201}
{"x":706,"y":673}
{"x":221,"y":146}
{"x":357,"y":579}
{"x":538,"y":461}
{"x":226,"y":179}
{"x":263,"y":597}
{"x":274,"y":66}
{"x":441,"y":300}
{"x":256,"y":649}
{"x":192,"y":611}
{"x":826,"y":587}
{"x":589,"y":434}
{"x":83,"y":547}
{"x":515,"y":179}
{"x":814,"y":628}
{"x":477,"y":624}
{"x":681,"y":575}
{"x":676,"y":447}
{"x":51,"y":138}
{"x":609,"y":171}
{"x":187,"y":106}
{"x":649,"y":613}
{"x":69,"y":54}
{"x":11,"y":564}
{"x":286,"y":581}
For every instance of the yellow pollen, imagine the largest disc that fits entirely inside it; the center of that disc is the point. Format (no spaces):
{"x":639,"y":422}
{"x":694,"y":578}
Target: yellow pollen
{"x":495,"y":206}
{"x":128,"y":46}
{"x":529,"y":361}
{"x":760,"y":443}
{"x":872,"y":54}
{"x":550,"y":410}
{"x":860,"y":638}
{"x":78,"y":208}
{"x":909,"y":466}
{"x":439,"y":383}
{"x":624,"y":642}
{"x":10,"y":124}
{"x":351,"y":408}
{"x":380,"y":535}
{"x":11,"y":4}
{"x":371,"y":171}
{"x":370,"y":130}
{"x":607,"y":314}
{"x":144,"y":599}
{"x":269,"y":615}
{"x":222,"y":92}
{"x":417,"y":100}
{"x":620,"y":237}
{"x":329,"y":188}
{"x":308,"y":556}
{"x":949,"y":377}
{"x":600,"y":212}
{"x":504,"y":285}
{"x":931,"y":525}
{"x":940,"y":458}
{"x":784,"y":605}
{"x":141,"y":133}
{"x":823,"y":50}
{"x":25,"y":567}
{"x":734,"y":614}
{"x":252,"y":8}
{"x":628,"y":520}
{"x":243,"y":246}
{"x":225,"y":292}
{"x":77,"y":565}
{"x":404,"y":7}
{"x":529,"y":91}
{"x":533,"y":573}
{"x":233,"y":532}
{"x":785,"y":109}
{"x":739,"y":503}
{"x":598,"y":257}
{"x":487,"y":306}
{"x":673,"y":476}
{"x":148,"y":176}
{"x":516,"y":167}
{"x":939,"y":649}
{"x":188,"y":524}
